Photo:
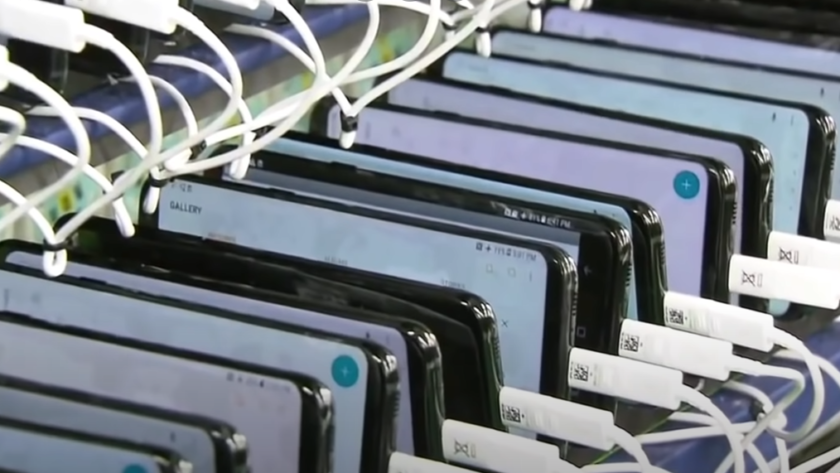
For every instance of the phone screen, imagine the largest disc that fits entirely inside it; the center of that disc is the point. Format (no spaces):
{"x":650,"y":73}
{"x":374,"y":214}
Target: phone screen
{"x":435,"y":176}
{"x":821,"y":93}
{"x":35,"y":452}
{"x":266,"y":410}
{"x":193,"y":444}
{"x":434,"y":96}
{"x":693,"y":41}
{"x":677,"y":189}
{"x":66,"y":304}
{"x":513,"y":280}
{"x":348,"y":428}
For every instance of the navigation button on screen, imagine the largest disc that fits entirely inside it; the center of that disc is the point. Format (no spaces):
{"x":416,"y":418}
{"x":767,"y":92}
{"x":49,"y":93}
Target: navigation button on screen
{"x":687,"y":184}
{"x":345,"y":371}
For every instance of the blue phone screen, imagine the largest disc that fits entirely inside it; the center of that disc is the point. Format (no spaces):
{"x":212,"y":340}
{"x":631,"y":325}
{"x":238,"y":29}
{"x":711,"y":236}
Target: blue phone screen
{"x":783,"y":130}
{"x":517,"y":291}
{"x":192,"y":443}
{"x":259,"y":406}
{"x":420,"y":173}
{"x":34,"y":452}
{"x":390,"y":338}
{"x":153,"y":322}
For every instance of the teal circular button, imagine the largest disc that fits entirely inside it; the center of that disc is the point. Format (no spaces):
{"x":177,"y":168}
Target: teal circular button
{"x":134,"y":469}
{"x":345,"y":371}
{"x":687,"y":184}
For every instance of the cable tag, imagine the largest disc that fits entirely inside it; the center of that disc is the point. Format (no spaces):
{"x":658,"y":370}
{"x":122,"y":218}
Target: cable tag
{"x":556,"y":418}
{"x":831,"y":221}
{"x":803,"y":251}
{"x":4,"y":58}
{"x":500,"y":452}
{"x":402,"y":463}
{"x":624,"y":378}
{"x":683,"y":351}
{"x":816,"y":287}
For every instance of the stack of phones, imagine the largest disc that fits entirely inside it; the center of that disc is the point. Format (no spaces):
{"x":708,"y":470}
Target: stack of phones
{"x":339,"y":305}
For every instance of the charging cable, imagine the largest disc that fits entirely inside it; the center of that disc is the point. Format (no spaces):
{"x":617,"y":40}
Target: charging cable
{"x":177,"y":17}
{"x":749,"y":329}
{"x":500,"y":452}
{"x":645,"y":383}
{"x":831,"y":221}
{"x":757,"y":277}
{"x":401,"y":463}
{"x":4,"y":58}
{"x":16,"y":124}
{"x":567,"y":421}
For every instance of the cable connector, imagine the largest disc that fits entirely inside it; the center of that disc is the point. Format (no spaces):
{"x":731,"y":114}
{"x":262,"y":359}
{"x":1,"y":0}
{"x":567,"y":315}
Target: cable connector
{"x":4,"y":58}
{"x":815,"y":287}
{"x":739,"y":326}
{"x":558,"y":419}
{"x":831,"y":221}
{"x":155,"y":15}
{"x":47,"y":24}
{"x":492,"y":450}
{"x":238,"y":7}
{"x":402,"y":463}
{"x":803,"y":251}
{"x":624,"y":378}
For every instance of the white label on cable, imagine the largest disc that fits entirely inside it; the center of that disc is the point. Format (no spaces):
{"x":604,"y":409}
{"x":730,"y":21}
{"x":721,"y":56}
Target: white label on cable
{"x":816,"y":287}
{"x":480,"y":447}
{"x":831,"y":221}
{"x":402,"y":463}
{"x":4,"y":58}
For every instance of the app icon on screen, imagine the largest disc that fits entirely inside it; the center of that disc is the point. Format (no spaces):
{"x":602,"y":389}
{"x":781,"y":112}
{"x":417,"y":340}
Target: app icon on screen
{"x":687,"y":184}
{"x":345,"y":371}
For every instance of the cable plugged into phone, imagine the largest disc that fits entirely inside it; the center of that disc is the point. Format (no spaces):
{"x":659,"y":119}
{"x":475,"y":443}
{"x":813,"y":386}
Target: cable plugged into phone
{"x":831,"y":221}
{"x":803,"y":251}
{"x":46,"y":24}
{"x":645,"y":383}
{"x":4,"y":58}
{"x":500,"y":452}
{"x":564,"y":420}
{"x":155,"y":15}
{"x":402,"y":463}
{"x":815,"y":287}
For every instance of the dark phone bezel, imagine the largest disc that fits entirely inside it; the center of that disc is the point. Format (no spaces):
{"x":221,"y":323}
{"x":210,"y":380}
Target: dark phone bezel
{"x":165,"y":459}
{"x":818,"y":153}
{"x":604,"y":244}
{"x":424,"y":358}
{"x":757,"y":221}
{"x":229,"y":456}
{"x":720,"y":198}
{"x":647,"y":231}
{"x":460,"y":306}
{"x":561,"y":275}
{"x":314,"y":453}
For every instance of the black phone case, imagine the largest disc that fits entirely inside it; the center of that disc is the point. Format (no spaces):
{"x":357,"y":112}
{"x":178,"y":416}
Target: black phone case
{"x":354,"y":288}
{"x":230,"y":450}
{"x":314,"y":449}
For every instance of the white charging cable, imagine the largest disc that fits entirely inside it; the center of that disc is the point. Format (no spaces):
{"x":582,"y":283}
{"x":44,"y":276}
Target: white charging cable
{"x":178,"y":17}
{"x":564,"y":420}
{"x":749,"y":329}
{"x":758,"y":277}
{"x":16,"y":124}
{"x":645,"y":383}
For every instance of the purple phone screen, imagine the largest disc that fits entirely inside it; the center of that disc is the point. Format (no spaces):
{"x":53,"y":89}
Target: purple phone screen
{"x":463,"y":100}
{"x":676,"y":188}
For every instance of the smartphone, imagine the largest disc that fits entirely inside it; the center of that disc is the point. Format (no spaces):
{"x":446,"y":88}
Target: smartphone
{"x":289,"y":413}
{"x":647,"y":270}
{"x":748,"y":159}
{"x":37,"y":449}
{"x":694,"y":195}
{"x":472,"y":384}
{"x":432,"y":252}
{"x":699,"y":72}
{"x":211,"y":446}
{"x":414,"y":348}
{"x":358,"y":373}
{"x":600,"y":246}
{"x":793,"y":133}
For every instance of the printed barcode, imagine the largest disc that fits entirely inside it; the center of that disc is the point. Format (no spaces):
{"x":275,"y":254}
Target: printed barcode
{"x":580,"y":373}
{"x":630,"y":343}
{"x":676,"y":317}
{"x":511,"y":414}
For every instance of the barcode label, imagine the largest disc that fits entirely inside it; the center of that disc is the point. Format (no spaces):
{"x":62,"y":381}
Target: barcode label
{"x":630,"y":343}
{"x":676,"y":317}
{"x":581,"y":372}
{"x":511,"y":414}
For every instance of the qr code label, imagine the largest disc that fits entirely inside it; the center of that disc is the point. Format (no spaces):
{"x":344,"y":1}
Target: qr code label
{"x":676,"y":317}
{"x":630,"y":343}
{"x":581,"y":373}
{"x":511,"y":414}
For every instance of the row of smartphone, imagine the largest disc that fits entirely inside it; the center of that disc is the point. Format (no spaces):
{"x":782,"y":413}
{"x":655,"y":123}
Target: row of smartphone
{"x":339,"y":305}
